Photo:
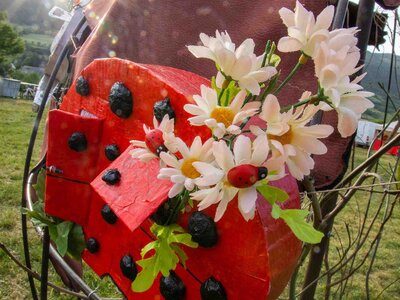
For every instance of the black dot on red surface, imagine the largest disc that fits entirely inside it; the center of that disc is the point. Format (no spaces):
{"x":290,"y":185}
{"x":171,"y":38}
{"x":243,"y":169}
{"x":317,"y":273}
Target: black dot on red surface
{"x":212,"y":289}
{"x":112,"y":152}
{"x":120,"y":100}
{"x":82,"y":86}
{"x":77,"y":142}
{"x":162,"y":108}
{"x":108,"y":215}
{"x":128,"y":267}
{"x":92,"y":245}
{"x":203,"y":229}
{"x":172,"y":287}
{"x":111,"y":176}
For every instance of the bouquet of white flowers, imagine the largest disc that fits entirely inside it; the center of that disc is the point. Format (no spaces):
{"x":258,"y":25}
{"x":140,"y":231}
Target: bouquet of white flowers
{"x":253,"y":139}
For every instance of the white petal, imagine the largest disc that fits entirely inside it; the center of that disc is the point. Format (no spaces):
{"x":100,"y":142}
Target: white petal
{"x":175,"y":190}
{"x":210,"y":198}
{"x":201,"y":52}
{"x":182,"y":148}
{"x":223,"y":155}
{"x":324,"y":19}
{"x":228,"y":193}
{"x":220,"y":210}
{"x":189,"y":184}
{"x":194,"y":109}
{"x":347,"y":122}
{"x":210,"y":174}
{"x":242,"y":150}
{"x":288,"y":44}
{"x":179,"y":178}
{"x":246,"y":48}
{"x":241,"y":67}
{"x":287,"y":16}
{"x":233,"y":129}
{"x":250,"y":84}
{"x":247,"y":199}
{"x":237,"y":102}
{"x":270,"y":111}
{"x":260,"y":150}
{"x":198,"y":121}
{"x":168,"y":172}
{"x":170,"y":160}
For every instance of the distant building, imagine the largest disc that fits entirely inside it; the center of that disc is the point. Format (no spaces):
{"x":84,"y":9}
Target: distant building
{"x":9,"y":87}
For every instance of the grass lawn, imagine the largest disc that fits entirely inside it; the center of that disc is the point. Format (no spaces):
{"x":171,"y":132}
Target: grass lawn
{"x":34,"y":38}
{"x":16,"y":121}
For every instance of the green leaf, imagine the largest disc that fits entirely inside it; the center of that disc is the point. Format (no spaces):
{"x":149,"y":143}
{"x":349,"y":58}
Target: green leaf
{"x":295,"y":219}
{"x":272,"y":194}
{"x":167,"y":254}
{"x":274,"y":60}
{"x":146,"y":277}
{"x":38,"y":218}
{"x":183,"y":238}
{"x":229,"y":93}
{"x":40,"y":186}
{"x":276,"y":211}
{"x":76,"y":242}
{"x":148,"y":247}
{"x":61,"y":241}
{"x":181,"y":254}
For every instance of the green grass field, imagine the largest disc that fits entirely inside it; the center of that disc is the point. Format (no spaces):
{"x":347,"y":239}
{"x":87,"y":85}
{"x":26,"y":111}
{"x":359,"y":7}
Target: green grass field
{"x":38,"y":40}
{"x":16,"y":120}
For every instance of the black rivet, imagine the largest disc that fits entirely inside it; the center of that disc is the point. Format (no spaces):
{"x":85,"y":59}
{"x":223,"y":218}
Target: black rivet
{"x":112,"y":152}
{"x":92,"y":245}
{"x":128,"y":267}
{"x":82,"y":86}
{"x":77,"y":142}
{"x":162,"y":108}
{"x":108,"y":215}
{"x":172,"y":287}
{"x":111,"y":176}
{"x":212,"y":289}
{"x":120,"y":100}
{"x":203,"y":229}
{"x":262,"y":173}
{"x":163,"y":215}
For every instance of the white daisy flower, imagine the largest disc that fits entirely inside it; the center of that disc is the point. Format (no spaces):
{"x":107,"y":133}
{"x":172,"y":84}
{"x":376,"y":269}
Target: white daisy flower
{"x":181,"y":171}
{"x":220,"y":119}
{"x":304,"y":32}
{"x":290,"y":138}
{"x":233,"y":174}
{"x":348,"y":98}
{"x":157,"y":140}
{"x":240,"y":64}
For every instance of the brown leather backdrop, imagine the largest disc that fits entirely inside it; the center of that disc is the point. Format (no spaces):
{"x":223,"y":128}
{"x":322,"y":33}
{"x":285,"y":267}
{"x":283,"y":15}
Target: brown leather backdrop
{"x":157,"y":32}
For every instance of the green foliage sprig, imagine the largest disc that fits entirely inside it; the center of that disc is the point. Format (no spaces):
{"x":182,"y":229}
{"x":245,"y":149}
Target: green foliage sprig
{"x":167,"y":254}
{"x":294,"y":218}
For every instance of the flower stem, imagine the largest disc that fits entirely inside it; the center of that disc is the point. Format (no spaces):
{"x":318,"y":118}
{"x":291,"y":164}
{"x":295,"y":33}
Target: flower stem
{"x":266,"y":52}
{"x":220,"y":96}
{"x":314,"y":99}
{"x":302,"y":60}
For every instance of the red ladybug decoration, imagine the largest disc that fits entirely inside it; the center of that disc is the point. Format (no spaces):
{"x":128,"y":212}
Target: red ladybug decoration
{"x":239,"y":260}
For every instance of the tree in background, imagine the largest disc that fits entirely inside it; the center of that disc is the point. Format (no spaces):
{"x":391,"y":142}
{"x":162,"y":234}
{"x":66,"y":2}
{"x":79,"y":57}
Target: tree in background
{"x":11,"y":43}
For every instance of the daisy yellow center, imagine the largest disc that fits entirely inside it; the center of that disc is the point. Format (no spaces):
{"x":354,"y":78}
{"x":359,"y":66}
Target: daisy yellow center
{"x":223,"y":115}
{"x":284,"y":139}
{"x":188,"y":170}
